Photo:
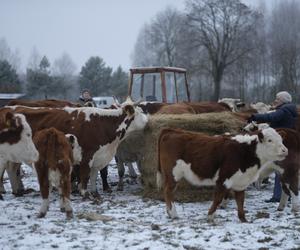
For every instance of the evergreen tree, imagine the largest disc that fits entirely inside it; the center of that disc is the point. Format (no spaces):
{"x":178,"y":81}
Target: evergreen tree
{"x":95,"y":76}
{"x":119,"y":84}
{"x":9,"y":80}
{"x":39,"y":82}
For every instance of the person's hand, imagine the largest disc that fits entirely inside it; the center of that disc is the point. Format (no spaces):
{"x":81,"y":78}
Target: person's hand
{"x":250,"y":119}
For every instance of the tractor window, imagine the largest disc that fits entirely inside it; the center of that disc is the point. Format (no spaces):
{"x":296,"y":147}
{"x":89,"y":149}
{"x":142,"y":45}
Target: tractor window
{"x":147,"y":87}
{"x":171,"y":87}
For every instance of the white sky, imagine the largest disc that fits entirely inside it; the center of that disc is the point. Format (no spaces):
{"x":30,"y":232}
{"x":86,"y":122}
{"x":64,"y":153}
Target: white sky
{"x":82,"y":28}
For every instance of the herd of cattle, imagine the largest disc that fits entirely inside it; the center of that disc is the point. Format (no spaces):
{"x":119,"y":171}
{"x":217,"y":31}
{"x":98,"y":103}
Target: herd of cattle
{"x":68,"y":145}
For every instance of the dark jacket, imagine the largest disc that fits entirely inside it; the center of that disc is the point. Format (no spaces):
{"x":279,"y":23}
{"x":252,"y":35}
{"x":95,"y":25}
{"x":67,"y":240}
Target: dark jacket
{"x":284,"y":117}
{"x":84,"y":102}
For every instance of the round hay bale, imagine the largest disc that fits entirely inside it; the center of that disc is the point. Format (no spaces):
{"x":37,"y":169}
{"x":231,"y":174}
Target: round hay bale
{"x":210,"y":123}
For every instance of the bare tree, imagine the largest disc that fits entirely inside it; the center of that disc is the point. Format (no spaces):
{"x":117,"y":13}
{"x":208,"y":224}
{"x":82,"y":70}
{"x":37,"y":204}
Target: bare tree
{"x":34,"y":59}
{"x":225,"y":28}
{"x":157,"y":41}
{"x":285,"y":45}
{"x":64,"y":66}
{"x":13,"y":57}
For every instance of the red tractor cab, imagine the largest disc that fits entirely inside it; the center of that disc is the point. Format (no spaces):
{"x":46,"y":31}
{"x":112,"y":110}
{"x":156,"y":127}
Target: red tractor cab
{"x":158,"y":84}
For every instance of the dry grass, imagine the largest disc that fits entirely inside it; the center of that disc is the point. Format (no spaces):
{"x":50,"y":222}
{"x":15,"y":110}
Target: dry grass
{"x":210,"y":123}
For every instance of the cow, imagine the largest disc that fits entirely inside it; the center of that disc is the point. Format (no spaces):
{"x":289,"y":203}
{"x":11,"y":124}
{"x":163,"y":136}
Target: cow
{"x":99,"y":132}
{"x":16,"y":143}
{"x":234,"y":104}
{"x":261,"y":107}
{"x":51,"y":103}
{"x":57,"y":154}
{"x":228,"y":162}
{"x":288,"y":168}
{"x":130,"y":150}
{"x":13,"y":170}
{"x":176,"y":108}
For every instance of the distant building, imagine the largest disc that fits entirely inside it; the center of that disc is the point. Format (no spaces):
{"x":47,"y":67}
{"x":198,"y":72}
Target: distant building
{"x":6,"y":97}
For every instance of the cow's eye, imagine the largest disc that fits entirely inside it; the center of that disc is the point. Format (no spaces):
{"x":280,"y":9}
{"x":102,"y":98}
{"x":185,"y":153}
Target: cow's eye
{"x":269,"y":140}
{"x":28,"y":135}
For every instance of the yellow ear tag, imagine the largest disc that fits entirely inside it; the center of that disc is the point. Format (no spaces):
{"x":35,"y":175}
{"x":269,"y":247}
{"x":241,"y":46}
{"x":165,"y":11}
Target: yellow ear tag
{"x":8,"y":123}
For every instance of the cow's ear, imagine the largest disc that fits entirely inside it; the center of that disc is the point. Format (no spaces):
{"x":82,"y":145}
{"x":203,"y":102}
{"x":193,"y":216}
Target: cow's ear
{"x":283,"y":134}
{"x":128,"y":109}
{"x":260,"y":136}
{"x":9,"y":120}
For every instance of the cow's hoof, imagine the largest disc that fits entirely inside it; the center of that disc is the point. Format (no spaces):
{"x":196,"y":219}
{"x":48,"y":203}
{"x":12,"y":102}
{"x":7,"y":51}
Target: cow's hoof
{"x":41,"y":215}
{"x":86,"y":196}
{"x":210,"y":218}
{"x":107,"y":189}
{"x":280,"y":209}
{"x":62,"y":209}
{"x":19,"y":193}
{"x":120,"y":188}
{"x":28,"y":191}
{"x":2,"y":191}
{"x":1,"y":197}
{"x":243,"y":220}
{"x":69,"y":215}
{"x":96,"y":195}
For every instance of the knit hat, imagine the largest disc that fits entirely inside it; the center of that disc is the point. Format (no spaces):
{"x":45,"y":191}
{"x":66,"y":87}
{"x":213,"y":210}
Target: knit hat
{"x":284,"y":96}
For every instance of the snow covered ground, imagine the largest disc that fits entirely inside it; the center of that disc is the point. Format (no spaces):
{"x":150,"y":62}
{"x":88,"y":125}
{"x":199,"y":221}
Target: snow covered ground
{"x":135,"y":223}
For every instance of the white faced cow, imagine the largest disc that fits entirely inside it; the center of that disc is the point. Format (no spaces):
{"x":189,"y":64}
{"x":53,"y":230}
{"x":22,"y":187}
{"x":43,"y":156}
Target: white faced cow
{"x":228,"y":162}
{"x":16,"y":143}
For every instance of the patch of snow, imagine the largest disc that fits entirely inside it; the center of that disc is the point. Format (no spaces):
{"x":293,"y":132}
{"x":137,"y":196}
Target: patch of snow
{"x":142,"y":223}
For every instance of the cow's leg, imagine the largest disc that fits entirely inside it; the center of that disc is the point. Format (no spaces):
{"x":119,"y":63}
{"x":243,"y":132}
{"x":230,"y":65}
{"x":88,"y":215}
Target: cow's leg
{"x":289,"y":182}
{"x":84,"y":171}
{"x":2,"y":170}
{"x":75,"y":179}
{"x":44,"y":189}
{"x":169,"y":189}
{"x":131,"y":169}
{"x":224,"y":202}
{"x":240,"y":198}
{"x":93,"y":180}
{"x":104,"y":174}
{"x":66,"y":191}
{"x":220,"y":192}
{"x":14,"y":174}
{"x":121,"y":172}
{"x":284,"y":197}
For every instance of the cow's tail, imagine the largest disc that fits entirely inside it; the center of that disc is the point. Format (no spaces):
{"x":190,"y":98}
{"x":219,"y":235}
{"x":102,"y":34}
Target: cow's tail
{"x":51,"y":148}
{"x":159,"y":177}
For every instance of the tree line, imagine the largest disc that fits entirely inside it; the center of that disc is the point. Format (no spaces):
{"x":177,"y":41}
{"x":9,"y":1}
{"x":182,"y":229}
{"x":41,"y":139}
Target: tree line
{"x":229,"y":49}
{"x":44,"y":81}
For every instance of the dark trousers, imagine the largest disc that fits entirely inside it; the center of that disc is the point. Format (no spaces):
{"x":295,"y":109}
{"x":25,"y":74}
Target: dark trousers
{"x":277,"y":187}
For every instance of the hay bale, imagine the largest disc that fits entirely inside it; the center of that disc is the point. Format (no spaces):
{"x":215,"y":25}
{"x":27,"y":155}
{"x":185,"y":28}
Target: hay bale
{"x":210,"y":123}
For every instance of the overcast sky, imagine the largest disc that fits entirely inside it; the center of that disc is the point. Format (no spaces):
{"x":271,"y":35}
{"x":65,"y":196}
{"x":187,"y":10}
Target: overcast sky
{"x":82,"y":28}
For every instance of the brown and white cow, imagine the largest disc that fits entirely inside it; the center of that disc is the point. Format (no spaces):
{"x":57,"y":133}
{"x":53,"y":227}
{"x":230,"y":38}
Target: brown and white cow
{"x":228,"y":162}
{"x":54,"y":166}
{"x":51,"y":103}
{"x":16,"y":143}
{"x":288,"y":168}
{"x":99,"y":132}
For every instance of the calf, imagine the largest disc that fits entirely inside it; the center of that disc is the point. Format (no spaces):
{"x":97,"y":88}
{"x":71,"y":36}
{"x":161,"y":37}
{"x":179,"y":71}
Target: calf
{"x":16,"y":143}
{"x":228,"y":162}
{"x":56,"y":157}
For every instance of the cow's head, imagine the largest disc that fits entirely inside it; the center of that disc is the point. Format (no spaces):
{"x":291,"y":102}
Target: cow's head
{"x":16,"y":143}
{"x":261,"y":107}
{"x":76,"y":149}
{"x":254,"y":126}
{"x":270,"y":146}
{"x":136,"y":119}
{"x":233,"y":103}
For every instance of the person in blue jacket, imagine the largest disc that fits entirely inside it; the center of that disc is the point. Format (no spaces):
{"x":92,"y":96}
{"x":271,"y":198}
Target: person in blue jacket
{"x":284,"y":116}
